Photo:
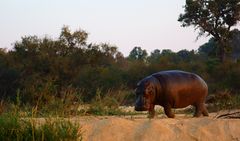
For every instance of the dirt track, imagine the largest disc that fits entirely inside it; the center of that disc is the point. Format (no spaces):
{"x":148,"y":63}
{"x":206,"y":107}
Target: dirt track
{"x":182,"y":128}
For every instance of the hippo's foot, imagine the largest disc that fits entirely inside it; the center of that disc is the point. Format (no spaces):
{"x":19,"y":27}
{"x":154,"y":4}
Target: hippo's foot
{"x":205,"y":111}
{"x":151,"y":114}
{"x":201,"y":109}
{"x":205,"y":114}
{"x":169,"y":112}
{"x":170,"y":115}
{"x":197,"y":114}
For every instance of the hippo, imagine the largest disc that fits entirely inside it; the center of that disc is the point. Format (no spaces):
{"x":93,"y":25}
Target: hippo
{"x":171,"y":89}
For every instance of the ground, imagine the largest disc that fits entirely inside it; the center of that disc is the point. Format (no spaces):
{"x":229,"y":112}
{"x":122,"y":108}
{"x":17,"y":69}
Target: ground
{"x":140,"y":128}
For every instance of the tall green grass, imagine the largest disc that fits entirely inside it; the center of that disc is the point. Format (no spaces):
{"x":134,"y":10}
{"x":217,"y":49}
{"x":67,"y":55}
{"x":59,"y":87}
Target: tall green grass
{"x":105,"y":104}
{"x":14,"y":128}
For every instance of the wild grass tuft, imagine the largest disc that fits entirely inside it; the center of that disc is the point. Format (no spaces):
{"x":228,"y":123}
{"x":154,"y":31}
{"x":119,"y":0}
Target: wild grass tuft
{"x":108,"y":104}
{"x":14,"y":128}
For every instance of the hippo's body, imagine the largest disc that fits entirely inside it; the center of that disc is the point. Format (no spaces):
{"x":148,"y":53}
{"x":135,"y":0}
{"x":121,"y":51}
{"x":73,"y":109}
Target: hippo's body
{"x":171,"y":89}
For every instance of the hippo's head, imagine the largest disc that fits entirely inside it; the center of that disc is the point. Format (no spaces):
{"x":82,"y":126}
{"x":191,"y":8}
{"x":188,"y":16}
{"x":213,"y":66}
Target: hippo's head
{"x":146,"y":93}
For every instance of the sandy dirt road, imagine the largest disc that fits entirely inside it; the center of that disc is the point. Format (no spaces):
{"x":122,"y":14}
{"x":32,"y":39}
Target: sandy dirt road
{"x":140,"y":128}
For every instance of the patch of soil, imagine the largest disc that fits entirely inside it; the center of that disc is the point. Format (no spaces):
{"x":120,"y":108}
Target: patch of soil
{"x":140,"y":128}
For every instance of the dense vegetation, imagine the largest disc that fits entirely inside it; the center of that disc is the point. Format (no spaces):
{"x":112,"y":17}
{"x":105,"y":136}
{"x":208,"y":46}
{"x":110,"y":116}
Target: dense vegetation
{"x":45,"y":71}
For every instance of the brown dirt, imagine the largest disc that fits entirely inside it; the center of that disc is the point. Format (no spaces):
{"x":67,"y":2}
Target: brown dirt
{"x":140,"y":128}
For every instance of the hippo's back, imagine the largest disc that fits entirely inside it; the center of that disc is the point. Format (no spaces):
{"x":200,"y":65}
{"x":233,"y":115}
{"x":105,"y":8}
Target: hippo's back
{"x":178,"y":77}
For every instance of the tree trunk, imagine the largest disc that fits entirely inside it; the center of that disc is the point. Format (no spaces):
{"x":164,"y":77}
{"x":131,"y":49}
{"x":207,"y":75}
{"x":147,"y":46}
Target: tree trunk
{"x":222,"y":53}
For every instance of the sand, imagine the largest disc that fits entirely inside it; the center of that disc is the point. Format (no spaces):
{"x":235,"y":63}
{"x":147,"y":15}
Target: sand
{"x":140,"y":128}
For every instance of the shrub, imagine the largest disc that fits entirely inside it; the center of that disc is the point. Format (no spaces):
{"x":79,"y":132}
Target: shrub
{"x":224,"y":100}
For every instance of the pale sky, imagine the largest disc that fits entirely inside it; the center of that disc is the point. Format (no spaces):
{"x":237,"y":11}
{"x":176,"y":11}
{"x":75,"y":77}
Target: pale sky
{"x":150,"y":24}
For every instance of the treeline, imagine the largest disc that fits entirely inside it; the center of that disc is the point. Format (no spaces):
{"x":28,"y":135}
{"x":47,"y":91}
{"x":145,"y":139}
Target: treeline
{"x":38,"y":69}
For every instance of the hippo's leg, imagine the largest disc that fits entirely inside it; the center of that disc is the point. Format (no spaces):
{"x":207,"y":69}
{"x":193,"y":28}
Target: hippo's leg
{"x":151,"y":112}
{"x":168,"y":111}
{"x":200,"y":109}
{"x":204,"y":110}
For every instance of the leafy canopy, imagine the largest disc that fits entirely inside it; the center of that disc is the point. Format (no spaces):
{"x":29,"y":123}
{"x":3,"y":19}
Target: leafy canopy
{"x":214,"y":17}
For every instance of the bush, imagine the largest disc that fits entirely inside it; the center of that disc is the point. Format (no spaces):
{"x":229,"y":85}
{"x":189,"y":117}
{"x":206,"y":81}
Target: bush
{"x":223,"y":100}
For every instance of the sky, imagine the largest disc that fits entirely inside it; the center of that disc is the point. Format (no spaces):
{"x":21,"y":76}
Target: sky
{"x":150,"y":24}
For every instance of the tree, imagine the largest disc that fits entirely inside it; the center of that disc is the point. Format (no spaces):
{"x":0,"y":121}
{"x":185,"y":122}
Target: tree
{"x":155,"y":55}
{"x":167,"y":52}
{"x":76,"y":39}
{"x":214,"y":17}
{"x":208,"y":49}
{"x":138,"y":54}
{"x":236,"y":45}
{"x":185,"y":54}
{"x":8,"y":76}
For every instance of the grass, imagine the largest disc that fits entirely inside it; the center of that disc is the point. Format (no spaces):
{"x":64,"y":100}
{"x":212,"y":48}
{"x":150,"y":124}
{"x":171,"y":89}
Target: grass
{"x":104,"y":105}
{"x":109,"y":103}
{"x":20,"y":122}
{"x":14,"y":128}
{"x":225,"y":101}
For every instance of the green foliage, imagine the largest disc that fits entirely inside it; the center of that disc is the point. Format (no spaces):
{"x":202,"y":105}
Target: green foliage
{"x":15,"y":128}
{"x":235,"y":44}
{"x":48,"y":66}
{"x":155,"y":55}
{"x":211,"y":48}
{"x":215,"y":17}
{"x":107,"y":104}
{"x":64,"y":104}
{"x":138,"y":54}
{"x":56,"y":76}
{"x":76,"y":39}
{"x":8,"y":76}
{"x":224,"y":100}
{"x":208,"y":49}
